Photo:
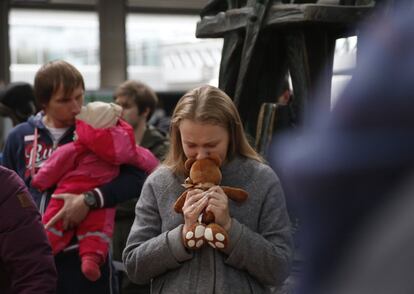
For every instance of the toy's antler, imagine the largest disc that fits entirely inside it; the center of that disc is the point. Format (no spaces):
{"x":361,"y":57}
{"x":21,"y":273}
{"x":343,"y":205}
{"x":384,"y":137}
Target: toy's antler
{"x":216,"y":159}
{"x":188,"y":163}
{"x":235,"y":194}
{"x":179,"y":203}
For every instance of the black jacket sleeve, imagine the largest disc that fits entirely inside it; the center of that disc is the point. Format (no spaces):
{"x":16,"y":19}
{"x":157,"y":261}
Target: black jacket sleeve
{"x":126,"y":186}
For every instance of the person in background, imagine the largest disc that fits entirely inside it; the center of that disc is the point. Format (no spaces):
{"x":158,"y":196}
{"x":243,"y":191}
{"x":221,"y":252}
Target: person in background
{"x":206,"y":123}
{"x":285,"y":119}
{"x":139,"y":102}
{"x":59,"y":90}
{"x":26,"y":260}
{"x":160,"y":119}
{"x":17,"y":102}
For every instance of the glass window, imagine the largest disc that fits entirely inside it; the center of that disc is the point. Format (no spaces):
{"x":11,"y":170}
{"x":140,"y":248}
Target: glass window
{"x":344,"y":63}
{"x":37,"y":37}
{"x":162,"y":49}
{"x":164,"y":52}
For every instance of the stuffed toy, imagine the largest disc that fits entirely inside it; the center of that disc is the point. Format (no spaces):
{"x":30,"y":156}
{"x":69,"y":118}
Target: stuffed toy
{"x":204,"y":174}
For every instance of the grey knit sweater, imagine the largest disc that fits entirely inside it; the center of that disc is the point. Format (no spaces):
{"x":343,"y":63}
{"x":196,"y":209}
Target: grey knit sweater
{"x":260,"y":248}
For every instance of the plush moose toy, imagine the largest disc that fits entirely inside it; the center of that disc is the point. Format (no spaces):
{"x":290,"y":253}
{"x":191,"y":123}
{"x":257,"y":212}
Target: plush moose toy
{"x":204,"y":174}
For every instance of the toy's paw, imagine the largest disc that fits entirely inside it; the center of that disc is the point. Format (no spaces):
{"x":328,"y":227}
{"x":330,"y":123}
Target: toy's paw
{"x":194,"y":238}
{"x":216,"y":236}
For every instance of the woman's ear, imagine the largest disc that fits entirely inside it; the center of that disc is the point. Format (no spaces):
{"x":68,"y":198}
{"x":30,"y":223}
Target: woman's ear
{"x":188,"y":163}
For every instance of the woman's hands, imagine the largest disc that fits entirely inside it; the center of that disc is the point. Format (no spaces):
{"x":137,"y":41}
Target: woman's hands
{"x":214,"y":200}
{"x":218,"y":204}
{"x":194,"y":204}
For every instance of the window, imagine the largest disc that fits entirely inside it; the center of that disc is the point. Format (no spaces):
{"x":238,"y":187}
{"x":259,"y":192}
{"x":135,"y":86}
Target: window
{"x":164,"y":52}
{"x":37,"y":37}
{"x":344,"y":63}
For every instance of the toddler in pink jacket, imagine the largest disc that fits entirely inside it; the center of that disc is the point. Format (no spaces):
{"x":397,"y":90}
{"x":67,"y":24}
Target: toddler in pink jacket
{"x":103,"y":142}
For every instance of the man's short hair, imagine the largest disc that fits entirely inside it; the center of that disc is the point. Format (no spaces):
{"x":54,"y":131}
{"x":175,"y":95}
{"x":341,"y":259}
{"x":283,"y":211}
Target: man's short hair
{"x":144,"y":97}
{"x":51,"y":76}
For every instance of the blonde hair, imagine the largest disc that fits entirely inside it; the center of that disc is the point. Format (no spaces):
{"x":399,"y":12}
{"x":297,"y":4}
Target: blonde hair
{"x":207,"y":104}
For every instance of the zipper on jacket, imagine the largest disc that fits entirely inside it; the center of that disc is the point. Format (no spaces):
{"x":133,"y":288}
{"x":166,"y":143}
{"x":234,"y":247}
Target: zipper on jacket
{"x":42,"y":206}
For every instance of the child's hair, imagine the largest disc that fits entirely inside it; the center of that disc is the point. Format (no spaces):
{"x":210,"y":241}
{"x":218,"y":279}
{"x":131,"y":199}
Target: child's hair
{"x":100,"y":114}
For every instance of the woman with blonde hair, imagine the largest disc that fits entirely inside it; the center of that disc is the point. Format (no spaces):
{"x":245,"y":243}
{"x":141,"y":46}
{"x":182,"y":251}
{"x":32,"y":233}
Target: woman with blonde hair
{"x":205,"y":122}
